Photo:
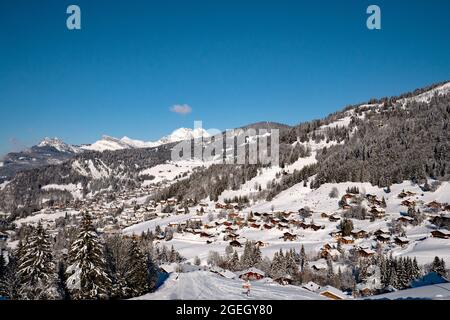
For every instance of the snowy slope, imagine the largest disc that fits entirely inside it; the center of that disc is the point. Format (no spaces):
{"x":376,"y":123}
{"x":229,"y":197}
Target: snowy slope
{"x":204,"y":285}
{"x":426,"y":96}
{"x":432,"y":292}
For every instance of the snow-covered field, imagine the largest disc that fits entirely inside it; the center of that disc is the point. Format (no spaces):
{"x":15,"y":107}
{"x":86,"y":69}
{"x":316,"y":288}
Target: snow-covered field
{"x":204,"y":285}
{"x":318,"y":201}
{"x":431,"y":292}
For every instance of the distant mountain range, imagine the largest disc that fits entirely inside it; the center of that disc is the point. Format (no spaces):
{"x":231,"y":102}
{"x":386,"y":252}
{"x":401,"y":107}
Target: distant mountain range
{"x":52,"y":151}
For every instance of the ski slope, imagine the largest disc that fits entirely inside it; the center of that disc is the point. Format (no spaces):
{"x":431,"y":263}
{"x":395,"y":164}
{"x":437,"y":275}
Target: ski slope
{"x":204,"y":285}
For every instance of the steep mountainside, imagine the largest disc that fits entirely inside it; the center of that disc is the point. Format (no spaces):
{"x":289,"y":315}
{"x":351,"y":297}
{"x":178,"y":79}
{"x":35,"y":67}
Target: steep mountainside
{"x":383,"y":141}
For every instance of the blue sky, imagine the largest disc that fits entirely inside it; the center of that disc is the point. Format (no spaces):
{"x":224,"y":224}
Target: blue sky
{"x":233,"y":62}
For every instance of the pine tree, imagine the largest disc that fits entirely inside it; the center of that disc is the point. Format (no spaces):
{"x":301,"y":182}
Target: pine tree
{"x":10,"y":284}
{"x":37,"y":270}
{"x":2,"y":266}
{"x":152,"y":273}
{"x":87,"y":277}
{"x":233,"y":264}
{"x":303,"y":258}
{"x":136,"y":276}
{"x":438,"y":266}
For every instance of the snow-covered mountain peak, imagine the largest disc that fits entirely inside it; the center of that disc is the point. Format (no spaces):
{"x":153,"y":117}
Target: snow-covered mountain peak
{"x":58,"y":144}
{"x":182,"y":134}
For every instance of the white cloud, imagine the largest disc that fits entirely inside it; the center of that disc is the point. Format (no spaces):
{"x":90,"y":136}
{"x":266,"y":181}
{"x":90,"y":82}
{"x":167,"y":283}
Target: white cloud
{"x":181,"y":109}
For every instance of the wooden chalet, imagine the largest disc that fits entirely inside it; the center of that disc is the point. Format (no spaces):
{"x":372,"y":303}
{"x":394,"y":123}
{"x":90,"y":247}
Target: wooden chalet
{"x":332,"y":293}
{"x":366,"y":253}
{"x":434,"y":205}
{"x":408,"y":203}
{"x":381,"y":231}
{"x":405,"y":219}
{"x":442,"y":234}
{"x":334,"y":218}
{"x":401,"y":241}
{"x":287,"y":236}
{"x":235,"y":244}
{"x":346,"y":240}
{"x":252,"y":274}
{"x":359,"y":234}
{"x":384,"y":238}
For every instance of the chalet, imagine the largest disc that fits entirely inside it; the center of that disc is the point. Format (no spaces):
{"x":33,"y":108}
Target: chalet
{"x":401,"y":241}
{"x":346,"y":207}
{"x":283,"y":226}
{"x":206,"y":235}
{"x":235,"y":244}
{"x":405,"y":219}
{"x":255,"y":225}
{"x":332,"y":253}
{"x":366,"y":253}
{"x":384,"y":238}
{"x":221,"y":205}
{"x":257,"y":214}
{"x":315,"y":226}
{"x":288,"y":236}
{"x":334,"y":218}
{"x":408,"y":203}
{"x":378,"y":212}
{"x":267,"y":226}
{"x":359,"y":234}
{"x":251,"y":220}
{"x":252,"y":274}
{"x":325,"y":215}
{"x":336,"y":234}
{"x":275,"y":221}
{"x":381,"y":231}
{"x":346,"y":240}
{"x":209,"y":226}
{"x":442,"y":234}
{"x":223,"y":273}
{"x":233,"y":236}
{"x":447,"y":208}
{"x":434,"y":205}
{"x":227,"y":223}
{"x":332,"y":293}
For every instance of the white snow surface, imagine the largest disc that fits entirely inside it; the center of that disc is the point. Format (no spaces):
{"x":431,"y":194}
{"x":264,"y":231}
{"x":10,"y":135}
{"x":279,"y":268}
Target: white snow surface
{"x":204,"y":285}
{"x":75,"y":189}
{"x":431,"y":292}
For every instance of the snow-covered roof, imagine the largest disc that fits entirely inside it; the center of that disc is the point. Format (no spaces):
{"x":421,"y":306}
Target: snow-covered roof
{"x":333,"y":291}
{"x":444,"y":231}
{"x":253,"y":270}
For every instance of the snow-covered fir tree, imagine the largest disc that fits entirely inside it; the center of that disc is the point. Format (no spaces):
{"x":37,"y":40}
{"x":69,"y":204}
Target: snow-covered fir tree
{"x":87,"y":277}
{"x":136,"y":275}
{"x":36,"y":268}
